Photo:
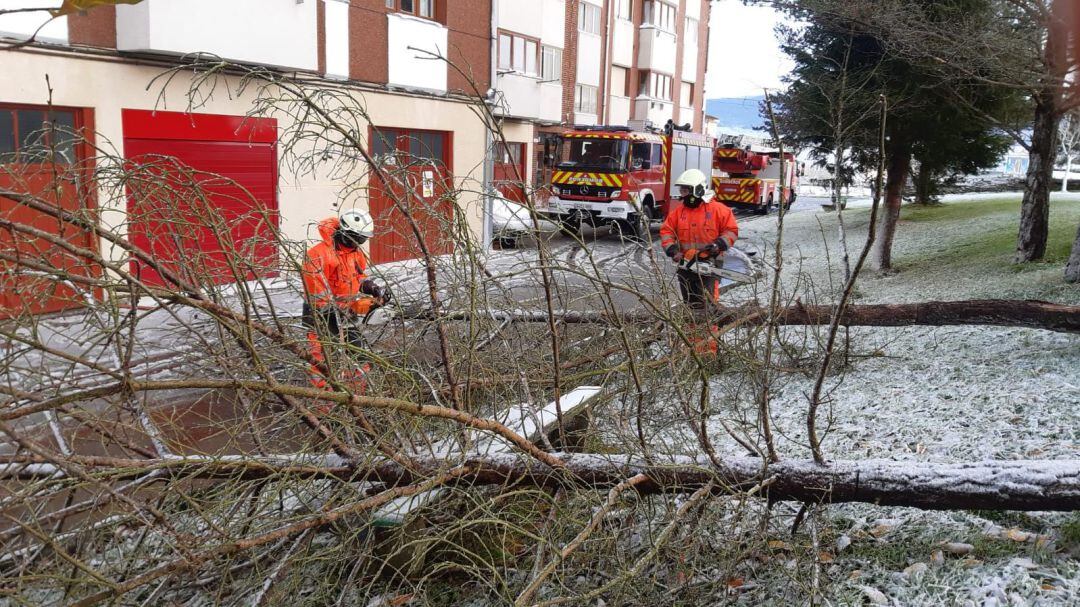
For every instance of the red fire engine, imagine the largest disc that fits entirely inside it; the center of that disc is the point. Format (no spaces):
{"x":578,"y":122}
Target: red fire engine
{"x":619,"y":176}
{"x":751,"y":180}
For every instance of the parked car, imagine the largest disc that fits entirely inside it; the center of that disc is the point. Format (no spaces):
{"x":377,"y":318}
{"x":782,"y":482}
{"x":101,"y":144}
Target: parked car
{"x":511,"y":222}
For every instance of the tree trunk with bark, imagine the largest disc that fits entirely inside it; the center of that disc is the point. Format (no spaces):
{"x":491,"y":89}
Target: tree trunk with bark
{"x":992,"y":485}
{"x":899,"y":165}
{"x":1035,"y":208}
{"x":990,"y":312}
{"x":1072,"y":269}
{"x":924,"y":186}
{"x":974,"y":312}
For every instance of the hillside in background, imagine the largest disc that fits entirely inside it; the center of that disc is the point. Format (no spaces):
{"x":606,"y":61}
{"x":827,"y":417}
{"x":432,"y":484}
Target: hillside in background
{"x":736,"y":112}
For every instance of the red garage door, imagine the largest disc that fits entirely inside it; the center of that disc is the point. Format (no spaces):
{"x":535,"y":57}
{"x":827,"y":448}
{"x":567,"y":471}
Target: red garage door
{"x":42,"y":156}
{"x":203,"y":199}
{"x":415,"y":201}
{"x":509,"y":170}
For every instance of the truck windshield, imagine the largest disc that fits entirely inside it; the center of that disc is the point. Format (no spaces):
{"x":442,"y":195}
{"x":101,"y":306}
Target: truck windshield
{"x":596,"y":154}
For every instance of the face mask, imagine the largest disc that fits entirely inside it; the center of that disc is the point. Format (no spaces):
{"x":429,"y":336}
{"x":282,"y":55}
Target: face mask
{"x":346,"y":240}
{"x":692,"y":201}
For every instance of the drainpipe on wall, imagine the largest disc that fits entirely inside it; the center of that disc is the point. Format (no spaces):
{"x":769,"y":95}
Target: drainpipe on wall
{"x":605,"y":67}
{"x":489,"y":158}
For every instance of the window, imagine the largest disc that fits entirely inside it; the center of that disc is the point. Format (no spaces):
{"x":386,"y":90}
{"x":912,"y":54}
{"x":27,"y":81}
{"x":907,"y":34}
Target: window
{"x":518,"y":54}
{"x":656,"y":155}
{"x":686,"y":94}
{"x":586,"y":153}
{"x":690,"y":31}
{"x":588,"y":18}
{"x":389,"y":145}
{"x":531,"y":57}
{"x":420,"y":8}
{"x":585,"y":99}
{"x":505,"y":55}
{"x":618,"y":81}
{"x":657,"y":86}
{"x":37,"y":135}
{"x":426,"y":146}
{"x":641,"y":155}
{"x":511,"y":153}
{"x":660,"y":14}
{"x":384,"y":144}
{"x":623,"y":9}
{"x":551,"y":64}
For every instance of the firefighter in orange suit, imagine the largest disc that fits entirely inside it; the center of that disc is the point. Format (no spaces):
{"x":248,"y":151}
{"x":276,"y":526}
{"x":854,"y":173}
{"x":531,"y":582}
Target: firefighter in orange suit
{"x":699,"y":226}
{"x":337,"y":288}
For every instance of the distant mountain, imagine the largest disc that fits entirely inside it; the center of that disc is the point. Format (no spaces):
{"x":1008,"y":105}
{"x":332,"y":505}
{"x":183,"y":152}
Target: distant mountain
{"x":736,"y":112}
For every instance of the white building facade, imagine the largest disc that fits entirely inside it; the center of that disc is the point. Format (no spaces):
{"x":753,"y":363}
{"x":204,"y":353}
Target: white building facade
{"x":561,"y":63}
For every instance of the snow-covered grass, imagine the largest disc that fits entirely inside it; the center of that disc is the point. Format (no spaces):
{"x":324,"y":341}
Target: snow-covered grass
{"x":960,"y":249}
{"x":938,"y":394}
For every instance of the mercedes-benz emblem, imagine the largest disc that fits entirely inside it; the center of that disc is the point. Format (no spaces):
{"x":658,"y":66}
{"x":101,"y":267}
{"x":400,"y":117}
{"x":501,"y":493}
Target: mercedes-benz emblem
{"x":584,"y":189}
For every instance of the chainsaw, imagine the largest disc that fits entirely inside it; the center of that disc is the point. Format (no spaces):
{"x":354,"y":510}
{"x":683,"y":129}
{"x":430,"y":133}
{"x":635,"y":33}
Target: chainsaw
{"x":733,"y":265}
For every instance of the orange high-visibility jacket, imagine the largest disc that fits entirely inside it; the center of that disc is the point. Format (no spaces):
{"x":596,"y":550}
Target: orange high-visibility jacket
{"x":332,"y":276}
{"x":700,"y":227}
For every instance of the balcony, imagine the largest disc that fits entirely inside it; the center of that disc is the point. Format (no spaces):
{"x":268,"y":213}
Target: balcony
{"x":690,"y":63}
{"x":655,"y":110}
{"x":280,"y":33}
{"x":618,"y":112}
{"x":528,"y":97}
{"x":543,"y":19}
{"x":622,"y":43}
{"x":412,"y":45}
{"x":657,"y":50}
{"x":588,"y":59}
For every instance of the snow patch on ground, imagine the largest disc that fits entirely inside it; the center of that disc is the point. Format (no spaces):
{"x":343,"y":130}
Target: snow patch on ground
{"x":946,"y":394}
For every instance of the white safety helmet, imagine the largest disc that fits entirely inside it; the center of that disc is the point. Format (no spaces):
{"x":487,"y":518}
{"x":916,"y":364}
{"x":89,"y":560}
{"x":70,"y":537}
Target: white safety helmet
{"x":356,"y":223}
{"x":694,"y":179}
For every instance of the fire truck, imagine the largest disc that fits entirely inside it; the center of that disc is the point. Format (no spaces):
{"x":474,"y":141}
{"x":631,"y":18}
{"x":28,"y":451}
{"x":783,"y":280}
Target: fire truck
{"x":751,"y":180}
{"x":618,"y":176}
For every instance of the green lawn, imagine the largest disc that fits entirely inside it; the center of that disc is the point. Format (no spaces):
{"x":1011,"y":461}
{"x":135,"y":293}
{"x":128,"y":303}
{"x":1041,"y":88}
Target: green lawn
{"x":996,"y":243}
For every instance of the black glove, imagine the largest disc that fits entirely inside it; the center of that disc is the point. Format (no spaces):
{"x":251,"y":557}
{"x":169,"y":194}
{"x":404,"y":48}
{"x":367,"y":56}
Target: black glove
{"x":720,"y":245}
{"x":672,"y":250}
{"x":379,"y":292}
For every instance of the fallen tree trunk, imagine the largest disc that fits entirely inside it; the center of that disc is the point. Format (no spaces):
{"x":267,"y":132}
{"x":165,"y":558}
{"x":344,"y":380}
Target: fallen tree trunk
{"x":978,"y":312}
{"x":1003,"y":485}
{"x":986,"y":312}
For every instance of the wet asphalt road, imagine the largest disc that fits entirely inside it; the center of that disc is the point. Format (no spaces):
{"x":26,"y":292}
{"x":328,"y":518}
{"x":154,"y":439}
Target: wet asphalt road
{"x":603,"y":237}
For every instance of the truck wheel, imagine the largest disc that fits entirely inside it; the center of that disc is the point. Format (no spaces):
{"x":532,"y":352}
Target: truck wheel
{"x":634,"y":228}
{"x":571,"y":226}
{"x":764,"y":210}
{"x":651,"y":212}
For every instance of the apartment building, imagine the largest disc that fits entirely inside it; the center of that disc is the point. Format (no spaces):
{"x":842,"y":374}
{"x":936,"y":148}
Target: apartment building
{"x":544,"y":64}
{"x":101,"y":65}
{"x":608,"y":62}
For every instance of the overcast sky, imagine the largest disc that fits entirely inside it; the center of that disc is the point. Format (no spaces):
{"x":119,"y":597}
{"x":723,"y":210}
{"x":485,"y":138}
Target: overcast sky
{"x":743,"y":52}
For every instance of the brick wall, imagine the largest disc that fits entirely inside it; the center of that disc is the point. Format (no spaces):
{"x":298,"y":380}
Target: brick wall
{"x":680,"y":50}
{"x":94,"y":27}
{"x":634,"y":73}
{"x":469,"y":22}
{"x":702,"y":66}
{"x":368,"y":60}
{"x":607,"y":12}
{"x":569,"y":58}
